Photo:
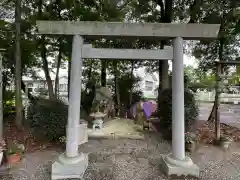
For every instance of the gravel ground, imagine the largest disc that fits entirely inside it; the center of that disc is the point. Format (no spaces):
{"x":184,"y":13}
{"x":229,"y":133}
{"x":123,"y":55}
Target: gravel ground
{"x":131,"y":160}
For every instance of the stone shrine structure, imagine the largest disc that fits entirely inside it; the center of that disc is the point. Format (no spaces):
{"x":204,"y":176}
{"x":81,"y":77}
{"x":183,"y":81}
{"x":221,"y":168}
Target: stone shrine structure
{"x":73,"y":164}
{"x":102,"y":100}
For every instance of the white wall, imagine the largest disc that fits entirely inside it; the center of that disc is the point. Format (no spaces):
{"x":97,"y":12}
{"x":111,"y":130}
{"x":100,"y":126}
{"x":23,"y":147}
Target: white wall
{"x":147,"y":92}
{"x":145,"y":76}
{"x":141,"y":72}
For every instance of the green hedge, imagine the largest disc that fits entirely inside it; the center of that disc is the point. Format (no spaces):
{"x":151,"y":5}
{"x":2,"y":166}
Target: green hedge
{"x":48,"y":118}
{"x":190,"y":107}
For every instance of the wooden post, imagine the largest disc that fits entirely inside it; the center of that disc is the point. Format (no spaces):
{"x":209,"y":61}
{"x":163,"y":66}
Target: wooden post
{"x":217,"y":94}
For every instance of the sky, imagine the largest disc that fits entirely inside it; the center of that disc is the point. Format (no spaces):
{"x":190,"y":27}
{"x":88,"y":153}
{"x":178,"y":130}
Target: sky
{"x":188,"y":61}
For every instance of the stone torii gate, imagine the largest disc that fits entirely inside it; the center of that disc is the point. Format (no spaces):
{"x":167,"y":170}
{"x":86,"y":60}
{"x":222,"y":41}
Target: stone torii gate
{"x":72,"y":164}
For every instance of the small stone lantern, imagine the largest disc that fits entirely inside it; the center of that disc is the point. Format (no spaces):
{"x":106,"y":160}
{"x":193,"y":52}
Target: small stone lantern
{"x":98,"y":120}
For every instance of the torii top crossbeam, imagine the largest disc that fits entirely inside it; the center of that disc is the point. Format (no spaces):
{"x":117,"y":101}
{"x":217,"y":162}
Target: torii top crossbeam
{"x":121,"y":29}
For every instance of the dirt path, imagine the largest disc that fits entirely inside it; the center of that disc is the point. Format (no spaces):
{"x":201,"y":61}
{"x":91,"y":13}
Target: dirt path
{"x":131,"y":160}
{"x":124,"y":128}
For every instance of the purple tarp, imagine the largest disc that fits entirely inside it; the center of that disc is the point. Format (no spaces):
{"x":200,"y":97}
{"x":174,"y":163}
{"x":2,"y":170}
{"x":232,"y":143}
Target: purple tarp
{"x":147,"y":108}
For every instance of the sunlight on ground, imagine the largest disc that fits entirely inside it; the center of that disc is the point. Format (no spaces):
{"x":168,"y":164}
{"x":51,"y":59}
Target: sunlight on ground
{"x":119,"y":128}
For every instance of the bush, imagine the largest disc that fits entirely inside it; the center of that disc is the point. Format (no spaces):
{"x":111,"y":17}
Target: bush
{"x":48,"y":118}
{"x":8,"y":102}
{"x":190,"y":107}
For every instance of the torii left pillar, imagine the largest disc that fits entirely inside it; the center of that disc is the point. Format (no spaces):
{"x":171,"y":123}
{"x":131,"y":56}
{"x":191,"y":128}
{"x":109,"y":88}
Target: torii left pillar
{"x":73,"y":164}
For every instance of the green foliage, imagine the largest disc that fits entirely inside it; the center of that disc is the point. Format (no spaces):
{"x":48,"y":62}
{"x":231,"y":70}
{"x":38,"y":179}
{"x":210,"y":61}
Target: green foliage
{"x":43,"y":92}
{"x":205,"y":82}
{"x":125,"y":10}
{"x":48,"y":118}
{"x":8,"y":98}
{"x":14,"y":148}
{"x":125,"y":83}
{"x":190,"y":108}
{"x":219,"y":12}
{"x":8,"y":102}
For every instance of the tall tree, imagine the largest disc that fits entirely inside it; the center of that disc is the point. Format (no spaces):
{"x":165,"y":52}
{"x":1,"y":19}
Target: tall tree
{"x":43,"y":51}
{"x":18,"y":74}
{"x":58,"y":67}
{"x":225,"y":48}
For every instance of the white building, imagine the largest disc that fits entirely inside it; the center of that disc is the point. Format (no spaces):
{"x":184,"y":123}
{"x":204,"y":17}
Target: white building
{"x":148,"y":84}
{"x":37,"y":85}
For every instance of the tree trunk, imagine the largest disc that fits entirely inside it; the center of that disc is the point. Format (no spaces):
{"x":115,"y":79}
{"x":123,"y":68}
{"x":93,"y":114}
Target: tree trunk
{"x":214,"y":115}
{"x":131,"y":77}
{"x":194,"y":10}
{"x":160,"y":66}
{"x":166,"y":17}
{"x":164,"y":75}
{"x":59,"y":57}
{"x":117,"y":88}
{"x":1,"y":96}
{"x":217,"y":103}
{"x":43,"y":51}
{"x":168,"y":13}
{"x":58,"y":67}
{"x":90,"y":79}
{"x":103,"y":73}
{"x":160,"y":73}
{"x":160,"y":83}
{"x":118,"y":95}
{"x":18,"y":96}
{"x":46,"y":70}
{"x":90,"y":72}
{"x":211,"y":117}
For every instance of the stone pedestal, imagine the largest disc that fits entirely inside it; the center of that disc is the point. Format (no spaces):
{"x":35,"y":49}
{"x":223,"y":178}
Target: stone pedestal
{"x":65,"y":167}
{"x":185,"y":167}
{"x":83,"y":132}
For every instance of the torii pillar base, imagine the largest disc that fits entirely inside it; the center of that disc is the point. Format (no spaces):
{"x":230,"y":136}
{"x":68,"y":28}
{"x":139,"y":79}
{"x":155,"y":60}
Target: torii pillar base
{"x":65,"y":167}
{"x":173,"y":167}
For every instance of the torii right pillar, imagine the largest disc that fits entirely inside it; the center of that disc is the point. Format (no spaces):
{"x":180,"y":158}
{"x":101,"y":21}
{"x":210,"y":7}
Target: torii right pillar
{"x":177,"y":163}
